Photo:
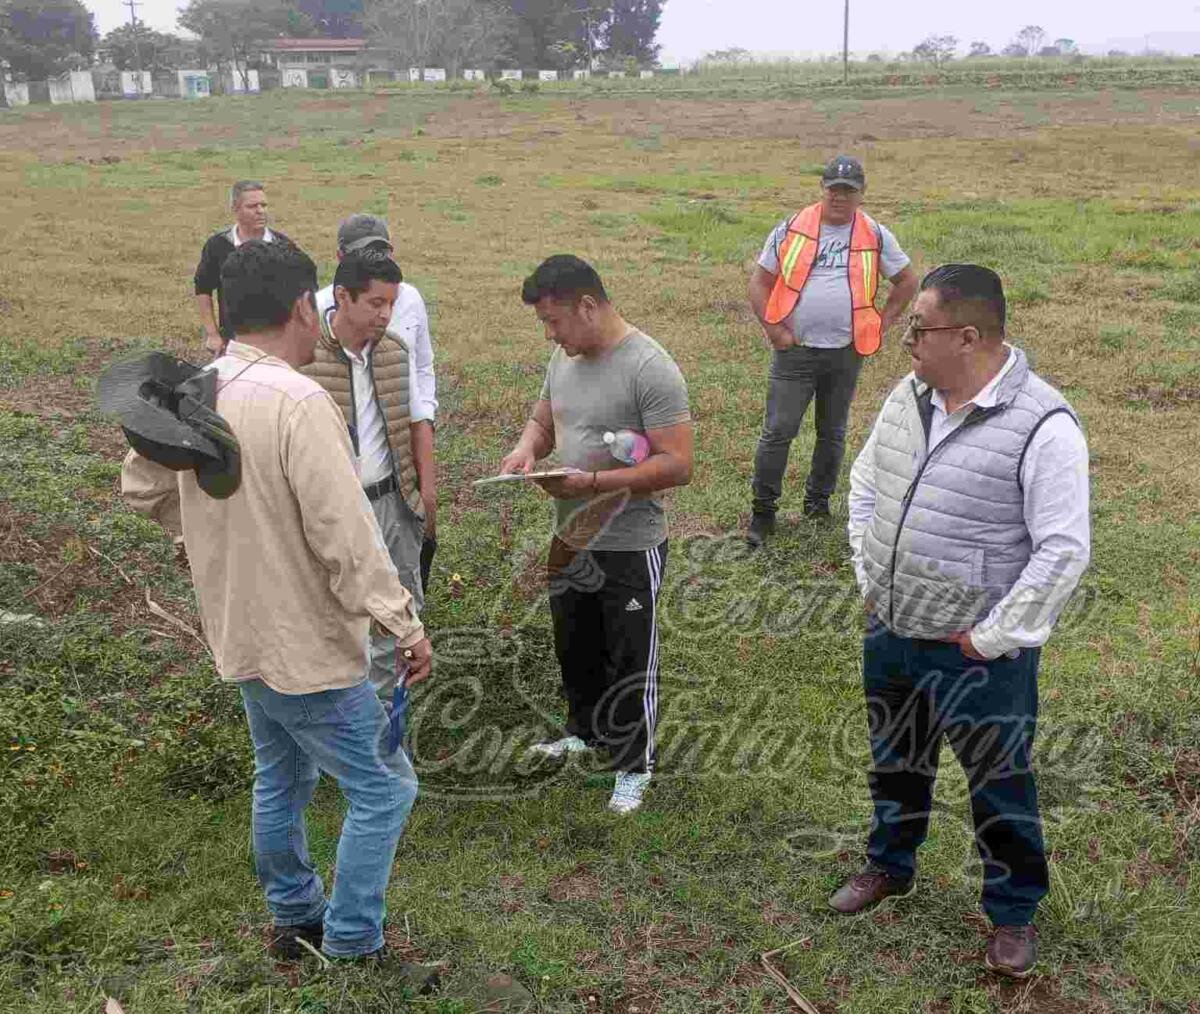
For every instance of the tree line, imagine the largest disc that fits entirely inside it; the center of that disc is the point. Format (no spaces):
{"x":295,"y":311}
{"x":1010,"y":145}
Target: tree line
{"x":1030,"y":41}
{"x":43,"y":38}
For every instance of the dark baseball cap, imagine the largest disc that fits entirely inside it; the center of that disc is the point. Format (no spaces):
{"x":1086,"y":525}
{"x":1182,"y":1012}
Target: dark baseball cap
{"x":361,"y":230}
{"x":844,"y":170}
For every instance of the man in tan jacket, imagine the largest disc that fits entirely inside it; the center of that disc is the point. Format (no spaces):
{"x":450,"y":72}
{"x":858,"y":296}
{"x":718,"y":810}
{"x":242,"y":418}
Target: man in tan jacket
{"x":289,"y":571}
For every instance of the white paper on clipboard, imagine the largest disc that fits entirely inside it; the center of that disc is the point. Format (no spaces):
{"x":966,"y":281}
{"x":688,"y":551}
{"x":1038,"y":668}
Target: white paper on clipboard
{"x":553,"y":473}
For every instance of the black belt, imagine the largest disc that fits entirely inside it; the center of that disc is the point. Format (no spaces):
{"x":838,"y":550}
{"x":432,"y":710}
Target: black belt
{"x":381,"y":488}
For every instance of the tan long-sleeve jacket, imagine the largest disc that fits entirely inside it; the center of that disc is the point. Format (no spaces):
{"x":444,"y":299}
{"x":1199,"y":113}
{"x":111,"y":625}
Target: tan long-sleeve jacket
{"x":290,"y":569}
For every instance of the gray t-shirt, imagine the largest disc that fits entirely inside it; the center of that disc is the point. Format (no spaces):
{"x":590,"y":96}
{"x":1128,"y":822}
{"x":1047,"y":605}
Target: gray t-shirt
{"x":822,"y":317}
{"x":634,"y":386}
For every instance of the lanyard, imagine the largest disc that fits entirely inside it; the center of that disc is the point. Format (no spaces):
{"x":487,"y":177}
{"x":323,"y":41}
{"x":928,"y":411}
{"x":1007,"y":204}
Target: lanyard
{"x":399,"y":707}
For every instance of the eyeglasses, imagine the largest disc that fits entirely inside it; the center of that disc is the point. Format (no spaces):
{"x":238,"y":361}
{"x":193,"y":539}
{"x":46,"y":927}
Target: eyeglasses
{"x":914,"y":327}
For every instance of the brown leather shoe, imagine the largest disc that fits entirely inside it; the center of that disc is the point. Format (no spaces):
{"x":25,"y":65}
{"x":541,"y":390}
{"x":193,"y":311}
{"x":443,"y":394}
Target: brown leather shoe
{"x":866,"y":889}
{"x":1012,"y":951}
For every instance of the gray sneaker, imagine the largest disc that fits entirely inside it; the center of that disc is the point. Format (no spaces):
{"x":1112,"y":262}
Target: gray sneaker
{"x":559,"y":748}
{"x":628,"y":791}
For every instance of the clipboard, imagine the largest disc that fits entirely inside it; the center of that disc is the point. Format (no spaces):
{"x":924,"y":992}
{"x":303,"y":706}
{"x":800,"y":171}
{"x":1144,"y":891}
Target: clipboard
{"x":553,"y":473}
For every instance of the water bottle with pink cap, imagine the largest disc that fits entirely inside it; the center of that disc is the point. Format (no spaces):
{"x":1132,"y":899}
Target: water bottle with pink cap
{"x":628,"y":446}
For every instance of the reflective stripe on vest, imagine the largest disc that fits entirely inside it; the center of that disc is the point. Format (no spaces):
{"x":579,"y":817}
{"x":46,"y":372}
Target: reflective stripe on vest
{"x":797,"y":255}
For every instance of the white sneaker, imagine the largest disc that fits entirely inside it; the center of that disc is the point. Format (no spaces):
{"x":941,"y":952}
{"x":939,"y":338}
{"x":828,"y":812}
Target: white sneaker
{"x":560,"y":747}
{"x":628,"y":792}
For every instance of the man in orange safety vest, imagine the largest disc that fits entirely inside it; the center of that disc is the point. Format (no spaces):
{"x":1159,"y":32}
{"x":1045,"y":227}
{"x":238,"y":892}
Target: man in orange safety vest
{"x":813,"y":290}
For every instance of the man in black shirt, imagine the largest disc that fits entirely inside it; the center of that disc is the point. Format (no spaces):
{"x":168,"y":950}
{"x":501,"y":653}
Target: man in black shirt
{"x":249,"y":205}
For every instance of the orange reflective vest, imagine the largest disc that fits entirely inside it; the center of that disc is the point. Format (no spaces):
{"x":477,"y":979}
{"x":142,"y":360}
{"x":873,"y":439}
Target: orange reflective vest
{"x":796,"y":257}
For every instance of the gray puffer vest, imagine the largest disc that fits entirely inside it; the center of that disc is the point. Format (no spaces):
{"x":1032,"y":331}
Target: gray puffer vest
{"x":948,"y":538}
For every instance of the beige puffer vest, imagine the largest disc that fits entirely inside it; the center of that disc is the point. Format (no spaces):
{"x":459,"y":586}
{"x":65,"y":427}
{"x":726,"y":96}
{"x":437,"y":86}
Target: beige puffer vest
{"x":331,"y":369}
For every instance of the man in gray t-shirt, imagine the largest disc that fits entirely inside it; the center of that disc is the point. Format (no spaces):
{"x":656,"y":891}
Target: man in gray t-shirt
{"x":634,"y":386}
{"x":609,"y":551}
{"x":816,"y":332}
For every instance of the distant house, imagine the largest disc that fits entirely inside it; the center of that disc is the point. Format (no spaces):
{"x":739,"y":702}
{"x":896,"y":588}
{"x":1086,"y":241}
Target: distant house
{"x":321,"y":63}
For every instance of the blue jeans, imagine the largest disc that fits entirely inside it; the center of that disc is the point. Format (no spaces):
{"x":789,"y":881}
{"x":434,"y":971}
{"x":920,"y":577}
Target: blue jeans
{"x":340,"y":732}
{"x":919,"y":692}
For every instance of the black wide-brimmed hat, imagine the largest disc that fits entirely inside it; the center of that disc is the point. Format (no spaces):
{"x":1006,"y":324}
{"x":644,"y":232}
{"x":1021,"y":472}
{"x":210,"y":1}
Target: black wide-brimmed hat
{"x":167,"y":409}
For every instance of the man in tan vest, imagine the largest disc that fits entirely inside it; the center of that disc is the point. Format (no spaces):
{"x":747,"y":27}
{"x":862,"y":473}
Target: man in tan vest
{"x":363,"y":231}
{"x":364,"y":365}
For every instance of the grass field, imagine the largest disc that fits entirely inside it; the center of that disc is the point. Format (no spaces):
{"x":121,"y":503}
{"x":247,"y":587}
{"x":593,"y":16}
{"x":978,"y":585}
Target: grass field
{"x":124,"y":806}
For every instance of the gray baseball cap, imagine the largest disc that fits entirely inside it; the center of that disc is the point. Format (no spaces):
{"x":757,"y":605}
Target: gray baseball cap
{"x":846,"y":171}
{"x":361,"y":230}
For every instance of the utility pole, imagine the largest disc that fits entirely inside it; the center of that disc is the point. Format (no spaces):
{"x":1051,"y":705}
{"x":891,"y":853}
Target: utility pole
{"x":846,"y":45}
{"x":137,"y":47}
{"x":587,"y":22}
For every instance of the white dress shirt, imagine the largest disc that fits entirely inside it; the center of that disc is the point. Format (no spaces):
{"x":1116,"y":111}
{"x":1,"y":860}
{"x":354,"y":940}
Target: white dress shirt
{"x":374,"y":461}
{"x":267,"y":237}
{"x":410,"y":323}
{"x":1054,"y":478}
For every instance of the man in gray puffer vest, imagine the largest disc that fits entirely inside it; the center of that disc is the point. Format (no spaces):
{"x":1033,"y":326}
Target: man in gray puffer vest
{"x":969,"y":530}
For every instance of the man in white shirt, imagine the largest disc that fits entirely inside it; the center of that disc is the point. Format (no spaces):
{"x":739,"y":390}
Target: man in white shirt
{"x":366,"y":368}
{"x":969,"y":531}
{"x":410,"y":323}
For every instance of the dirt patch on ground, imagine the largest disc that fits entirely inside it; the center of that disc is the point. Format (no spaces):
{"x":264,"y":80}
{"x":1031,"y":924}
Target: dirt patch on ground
{"x":67,"y":573}
{"x":685,"y":525}
{"x":58,"y":398}
{"x":581,"y":884}
{"x":1039,"y":995}
{"x":49,"y":134}
{"x":1184,"y":780}
{"x":47,"y":397}
{"x":56,"y":133}
{"x":670,"y":935}
{"x":1164,"y":397}
{"x":57,"y":395}
{"x":827,"y":123}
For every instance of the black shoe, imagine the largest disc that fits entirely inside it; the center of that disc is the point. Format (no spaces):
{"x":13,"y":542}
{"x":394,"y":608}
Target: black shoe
{"x":762,"y":526}
{"x":818,"y":510}
{"x":285,"y":940}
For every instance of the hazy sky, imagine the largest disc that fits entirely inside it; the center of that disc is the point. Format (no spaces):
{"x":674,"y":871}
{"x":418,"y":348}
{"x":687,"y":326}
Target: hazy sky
{"x":690,"y":28}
